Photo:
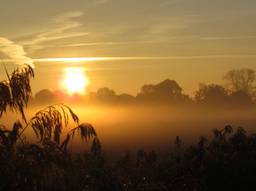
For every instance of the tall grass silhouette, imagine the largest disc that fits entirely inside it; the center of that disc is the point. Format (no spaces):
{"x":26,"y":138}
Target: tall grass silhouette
{"x":47,"y":124}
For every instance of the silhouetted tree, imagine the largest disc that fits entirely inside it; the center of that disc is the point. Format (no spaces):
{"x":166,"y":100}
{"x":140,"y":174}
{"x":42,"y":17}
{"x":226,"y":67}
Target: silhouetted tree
{"x":165,"y":91}
{"x":126,"y":98}
{"x":241,"y":80}
{"x":104,"y":95}
{"x":211,"y":94}
{"x":45,"y":96}
{"x":240,"y":98}
{"x":108,"y":96}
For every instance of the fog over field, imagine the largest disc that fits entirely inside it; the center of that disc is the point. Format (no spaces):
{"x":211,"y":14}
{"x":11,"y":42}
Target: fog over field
{"x":130,"y":127}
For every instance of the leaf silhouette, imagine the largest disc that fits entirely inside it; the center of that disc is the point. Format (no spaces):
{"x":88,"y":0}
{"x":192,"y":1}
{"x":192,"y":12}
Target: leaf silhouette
{"x":50,"y":121}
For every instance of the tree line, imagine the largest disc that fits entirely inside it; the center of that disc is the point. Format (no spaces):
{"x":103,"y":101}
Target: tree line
{"x":238,"y":90}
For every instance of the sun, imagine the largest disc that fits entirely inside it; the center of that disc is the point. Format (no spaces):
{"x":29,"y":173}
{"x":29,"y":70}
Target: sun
{"x":75,"y":80}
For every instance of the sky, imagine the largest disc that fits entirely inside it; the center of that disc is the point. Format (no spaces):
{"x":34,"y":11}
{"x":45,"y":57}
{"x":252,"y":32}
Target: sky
{"x":133,"y":42}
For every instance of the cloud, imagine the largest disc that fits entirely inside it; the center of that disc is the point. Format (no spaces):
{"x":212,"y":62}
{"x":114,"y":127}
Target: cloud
{"x":11,"y":52}
{"x":169,"y":40}
{"x":106,"y":43}
{"x":228,"y":37}
{"x":100,"y":2}
{"x":60,"y":27}
{"x":93,"y":59}
{"x":169,"y":2}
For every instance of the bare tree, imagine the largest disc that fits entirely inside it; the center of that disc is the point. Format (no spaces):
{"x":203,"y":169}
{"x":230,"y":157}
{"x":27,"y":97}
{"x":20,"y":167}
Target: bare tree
{"x":241,"y":80}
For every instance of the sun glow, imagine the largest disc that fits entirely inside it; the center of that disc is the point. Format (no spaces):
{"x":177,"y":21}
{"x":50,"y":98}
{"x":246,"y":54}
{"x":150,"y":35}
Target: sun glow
{"x":75,"y":80}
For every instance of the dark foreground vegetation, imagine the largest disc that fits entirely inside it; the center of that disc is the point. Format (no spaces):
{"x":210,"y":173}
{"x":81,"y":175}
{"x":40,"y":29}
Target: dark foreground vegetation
{"x":227,"y":161}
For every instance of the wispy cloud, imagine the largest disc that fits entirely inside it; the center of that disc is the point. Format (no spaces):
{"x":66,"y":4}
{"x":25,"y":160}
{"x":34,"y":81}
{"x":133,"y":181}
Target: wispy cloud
{"x":169,"y":2}
{"x":170,"y":40}
{"x":90,"y":59}
{"x":228,"y":37}
{"x":11,"y":52}
{"x":100,"y":2}
{"x":60,"y":27}
{"x":106,"y":43}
